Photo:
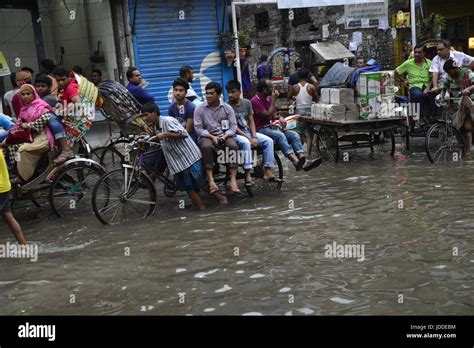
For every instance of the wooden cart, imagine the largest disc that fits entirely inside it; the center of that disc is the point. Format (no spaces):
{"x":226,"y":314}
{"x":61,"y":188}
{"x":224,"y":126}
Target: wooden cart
{"x":333,"y":137}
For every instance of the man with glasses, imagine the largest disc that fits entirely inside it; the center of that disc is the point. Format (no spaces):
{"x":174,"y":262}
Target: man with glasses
{"x":134,"y":80}
{"x":444,"y":53}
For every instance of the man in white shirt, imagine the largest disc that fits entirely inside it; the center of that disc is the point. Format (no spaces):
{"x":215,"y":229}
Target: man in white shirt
{"x":186,"y":73}
{"x":444,"y":53}
{"x":8,"y":96}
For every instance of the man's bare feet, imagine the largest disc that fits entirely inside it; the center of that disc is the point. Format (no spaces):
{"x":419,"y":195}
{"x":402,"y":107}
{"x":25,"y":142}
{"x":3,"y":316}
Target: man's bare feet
{"x":220,"y":198}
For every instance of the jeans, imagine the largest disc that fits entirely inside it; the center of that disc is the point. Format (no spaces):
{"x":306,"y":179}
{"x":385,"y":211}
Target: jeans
{"x":246,"y":148}
{"x":417,"y":96}
{"x":288,"y":141}
{"x":267,"y":146}
{"x":56,"y":127}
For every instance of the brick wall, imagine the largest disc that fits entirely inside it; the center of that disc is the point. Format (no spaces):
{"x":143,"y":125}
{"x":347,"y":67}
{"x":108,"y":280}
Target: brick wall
{"x":376,"y":43}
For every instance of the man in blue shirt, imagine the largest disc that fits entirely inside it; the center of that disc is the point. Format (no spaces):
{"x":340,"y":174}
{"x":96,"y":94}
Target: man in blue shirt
{"x":264,"y":68}
{"x":134,"y":80}
{"x":182,"y":109}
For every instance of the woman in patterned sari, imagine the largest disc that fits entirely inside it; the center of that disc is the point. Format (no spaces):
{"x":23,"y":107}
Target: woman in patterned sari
{"x":34,"y":115}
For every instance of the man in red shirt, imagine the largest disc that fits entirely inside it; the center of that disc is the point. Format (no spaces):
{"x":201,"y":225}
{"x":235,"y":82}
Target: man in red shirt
{"x":264,"y":109}
{"x":68,"y":95}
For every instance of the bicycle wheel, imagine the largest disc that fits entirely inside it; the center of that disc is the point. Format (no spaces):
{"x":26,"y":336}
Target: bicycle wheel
{"x":120,"y":196}
{"x":443,"y":142}
{"x":115,"y":154}
{"x":71,"y":188}
{"x":327,"y":144}
{"x":262,"y":185}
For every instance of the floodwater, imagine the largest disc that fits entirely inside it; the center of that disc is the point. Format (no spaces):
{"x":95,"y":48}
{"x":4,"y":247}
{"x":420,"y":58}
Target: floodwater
{"x":267,"y":255}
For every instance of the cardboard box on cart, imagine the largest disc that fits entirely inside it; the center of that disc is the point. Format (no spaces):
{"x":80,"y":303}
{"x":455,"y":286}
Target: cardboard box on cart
{"x":373,"y":88}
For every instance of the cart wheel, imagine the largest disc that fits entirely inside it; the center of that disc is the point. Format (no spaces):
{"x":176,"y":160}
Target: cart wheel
{"x":327,"y":144}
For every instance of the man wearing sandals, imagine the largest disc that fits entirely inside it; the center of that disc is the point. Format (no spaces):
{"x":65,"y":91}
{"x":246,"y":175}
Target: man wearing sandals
{"x":215,"y":126}
{"x":264,"y":109}
{"x":247,"y":136}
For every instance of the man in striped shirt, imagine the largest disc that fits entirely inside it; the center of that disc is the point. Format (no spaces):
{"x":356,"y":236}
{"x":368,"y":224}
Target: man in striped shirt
{"x":181,"y":152}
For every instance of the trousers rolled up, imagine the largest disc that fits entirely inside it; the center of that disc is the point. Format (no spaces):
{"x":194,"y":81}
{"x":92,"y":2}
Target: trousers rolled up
{"x":56,"y":127}
{"x":246,"y":148}
{"x":209,"y":150}
{"x":267,"y":146}
{"x":288,"y":141}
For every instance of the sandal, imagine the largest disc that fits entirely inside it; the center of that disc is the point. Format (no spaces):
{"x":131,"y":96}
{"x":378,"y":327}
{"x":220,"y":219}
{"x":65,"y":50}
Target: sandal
{"x":299,"y":165}
{"x":213,"y":189}
{"x":234,"y":189}
{"x":273,"y":179}
{"x":249,"y":183}
{"x":313,"y":164}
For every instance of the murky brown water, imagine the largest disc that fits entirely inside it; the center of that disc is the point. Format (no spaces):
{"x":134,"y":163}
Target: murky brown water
{"x":281,"y":267}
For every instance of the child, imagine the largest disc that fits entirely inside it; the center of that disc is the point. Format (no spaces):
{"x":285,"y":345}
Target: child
{"x":181,"y":152}
{"x":5,"y":208}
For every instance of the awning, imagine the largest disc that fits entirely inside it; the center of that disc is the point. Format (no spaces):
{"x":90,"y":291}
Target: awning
{"x":330,"y":50}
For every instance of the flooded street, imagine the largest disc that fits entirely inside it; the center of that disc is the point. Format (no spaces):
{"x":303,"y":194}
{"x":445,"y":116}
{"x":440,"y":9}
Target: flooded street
{"x":267,"y":255}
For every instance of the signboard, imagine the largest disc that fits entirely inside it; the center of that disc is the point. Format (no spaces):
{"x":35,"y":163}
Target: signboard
{"x":367,"y":15}
{"x":315,"y":3}
{"x":4,"y":69}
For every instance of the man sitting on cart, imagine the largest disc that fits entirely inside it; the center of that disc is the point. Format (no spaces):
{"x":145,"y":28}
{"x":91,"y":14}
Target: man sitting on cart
{"x":264,"y":110}
{"x":419,"y":82}
{"x":215,"y":126}
{"x":460,"y":83}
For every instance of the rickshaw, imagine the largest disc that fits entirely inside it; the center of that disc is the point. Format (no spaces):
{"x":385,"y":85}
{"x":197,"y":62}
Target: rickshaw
{"x":66,"y":186}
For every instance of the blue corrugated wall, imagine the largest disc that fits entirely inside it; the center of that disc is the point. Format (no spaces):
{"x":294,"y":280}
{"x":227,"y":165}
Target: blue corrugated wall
{"x":163,"y":43}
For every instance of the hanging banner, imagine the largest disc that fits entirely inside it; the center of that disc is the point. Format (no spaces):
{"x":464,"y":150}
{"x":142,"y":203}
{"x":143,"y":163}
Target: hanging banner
{"x":316,"y":3}
{"x":366,"y":15}
{"x":4,"y":69}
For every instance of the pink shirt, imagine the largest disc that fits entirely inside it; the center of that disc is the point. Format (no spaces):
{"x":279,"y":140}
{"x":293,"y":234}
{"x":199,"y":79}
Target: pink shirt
{"x":260,"y":104}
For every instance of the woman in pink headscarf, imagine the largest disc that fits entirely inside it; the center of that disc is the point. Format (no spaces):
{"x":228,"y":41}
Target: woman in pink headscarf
{"x":34,"y":115}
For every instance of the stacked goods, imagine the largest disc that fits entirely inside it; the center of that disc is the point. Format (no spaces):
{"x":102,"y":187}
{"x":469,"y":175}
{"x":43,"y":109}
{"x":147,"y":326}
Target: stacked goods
{"x":329,"y":112}
{"x":352,"y":112}
{"x":337,"y":104}
{"x":376,"y":90}
{"x":342,"y":96}
{"x":325,"y":95}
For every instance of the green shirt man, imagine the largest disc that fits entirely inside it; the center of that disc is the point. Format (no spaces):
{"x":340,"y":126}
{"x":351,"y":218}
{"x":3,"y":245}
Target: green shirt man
{"x":418,"y":75}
